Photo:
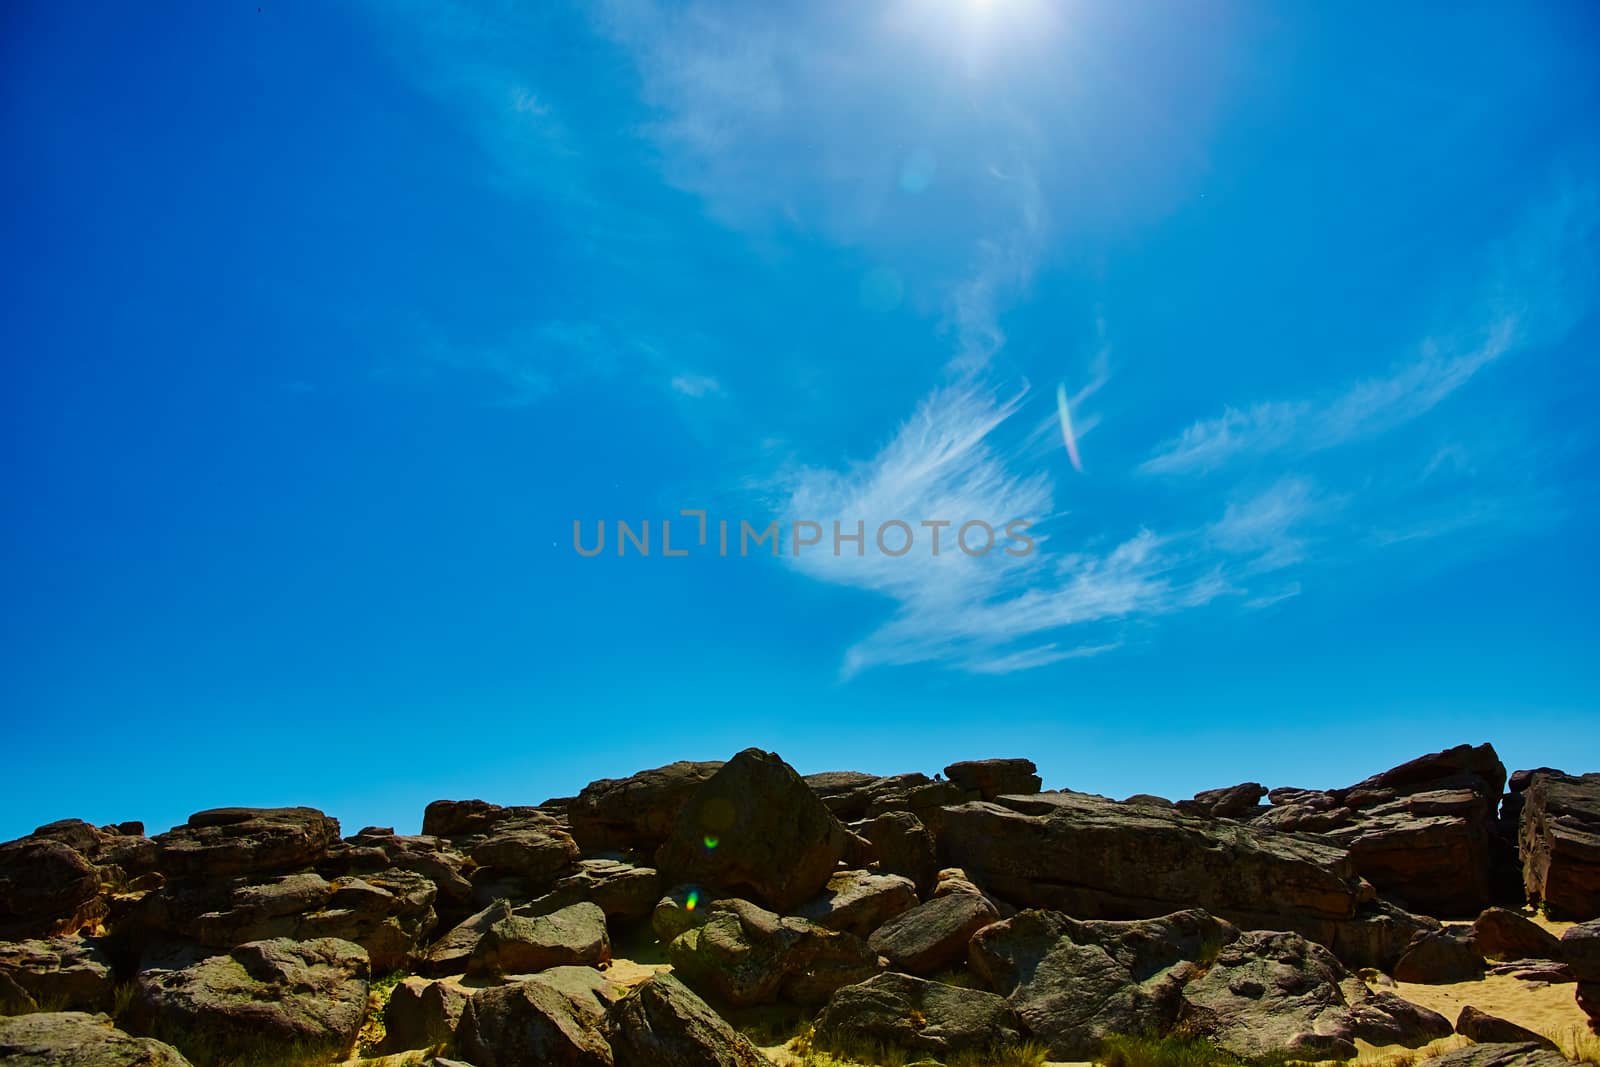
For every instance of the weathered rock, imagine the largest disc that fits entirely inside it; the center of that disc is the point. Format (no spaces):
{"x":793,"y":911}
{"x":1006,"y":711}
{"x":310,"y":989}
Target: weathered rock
{"x":533,"y":847}
{"x":1500,"y":1055}
{"x":1560,"y":844}
{"x":1485,"y":1029}
{"x":529,"y":1023}
{"x":1096,"y":858}
{"x":934,"y":935}
{"x":1269,"y":993}
{"x":422,"y":1013}
{"x":46,"y":888}
{"x":663,"y":1024}
{"x":844,"y":792}
{"x":62,"y":974}
{"x":756,"y":829}
{"x":589,"y":991}
{"x":121,"y":852}
{"x":1440,"y":958}
{"x":225,"y":842}
{"x":1232,"y":802}
{"x":1074,"y":983}
{"x":904,"y":847}
{"x":858,"y":902}
{"x":990,"y":778}
{"x":308,"y":998}
{"x":918,"y":1016}
{"x":683,"y":908}
{"x":635,"y":812}
{"x":1580,"y":948}
{"x":78,"y":1039}
{"x":451,"y":953}
{"x":1379,"y":935}
{"x":744,"y":955}
{"x":1423,"y":833}
{"x":1588,"y":996}
{"x":626,"y":893}
{"x":1499,"y":934}
{"x":521,"y":944}
{"x":430,"y":857}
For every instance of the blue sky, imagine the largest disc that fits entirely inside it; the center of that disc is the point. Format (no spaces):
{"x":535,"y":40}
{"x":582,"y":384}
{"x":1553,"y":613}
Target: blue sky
{"x":322,"y":324}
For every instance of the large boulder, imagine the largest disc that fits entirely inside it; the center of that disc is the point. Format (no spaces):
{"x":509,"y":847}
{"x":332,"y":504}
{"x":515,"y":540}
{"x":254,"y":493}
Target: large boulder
{"x":625,"y":892}
{"x":78,"y":1039}
{"x":530,"y":1023}
{"x":1075,"y":983}
{"x":227,"y":842}
{"x":636,"y":812}
{"x":1241,"y":801}
{"x":904,"y":846}
{"x":306,"y":999}
{"x":422,"y":1013}
{"x":1485,"y":1029}
{"x":46,"y":888}
{"x":1096,"y":858}
{"x":744,"y":955}
{"x":60,"y":974}
{"x":1269,"y":993}
{"x":1580,"y":948}
{"x":933,"y":936}
{"x":858,"y":902}
{"x":1499,"y":934}
{"x":990,"y":778}
{"x":1527,"y":1054}
{"x":451,"y":953}
{"x":1559,"y":842}
{"x":1423,"y":833}
{"x":917,"y":1016}
{"x":1442,"y":957}
{"x":755,"y":829}
{"x":661,"y":1023}
{"x":522,"y":944}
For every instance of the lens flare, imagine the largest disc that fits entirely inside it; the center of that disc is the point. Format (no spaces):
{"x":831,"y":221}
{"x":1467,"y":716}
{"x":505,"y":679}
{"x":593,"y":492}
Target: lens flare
{"x":1066,"y":428}
{"x":691,"y":901}
{"x":712,"y":842}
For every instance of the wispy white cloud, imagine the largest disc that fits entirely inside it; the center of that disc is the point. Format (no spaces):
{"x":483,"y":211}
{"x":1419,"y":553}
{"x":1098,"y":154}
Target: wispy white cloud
{"x":696,"y":385}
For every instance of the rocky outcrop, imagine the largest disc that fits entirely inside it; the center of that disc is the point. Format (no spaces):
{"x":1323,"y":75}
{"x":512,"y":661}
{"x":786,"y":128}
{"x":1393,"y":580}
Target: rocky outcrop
{"x":1232,"y":802}
{"x":744,"y":955}
{"x":1484,"y":1028}
{"x":662,"y":1023}
{"x":637,"y":812}
{"x":527,"y":1023}
{"x":625,"y":892}
{"x":990,"y":778}
{"x":1440,"y":958}
{"x":1559,"y":841}
{"x":1499,"y":934}
{"x":1528,"y":1054}
{"x":917,"y":1016}
{"x":66,"y":974}
{"x":519,"y":944}
{"x":1580,"y":945}
{"x":79,"y":1039}
{"x":228,"y":842}
{"x":904,"y":846}
{"x":305,"y":998}
{"x":754,"y":829}
{"x":1423,"y":833}
{"x":1096,"y":858}
{"x":46,"y":888}
{"x":933,"y":935}
{"x":858,"y":902}
{"x":1270,"y":993}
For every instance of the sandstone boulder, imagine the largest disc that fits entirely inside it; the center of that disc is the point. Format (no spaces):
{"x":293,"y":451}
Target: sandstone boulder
{"x":754,"y":828}
{"x":990,"y":778}
{"x":905,"y":847}
{"x":305,"y":998}
{"x":422,"y":1013}
{"x":899,"y":1011}
{"x":744,"y":955}
{"x":1580,"y":948}
{"x":1559,"y":841}
{"x":522,"y":944}
{"x":46,"y":888}
{"x":78,"y":1039}
{"x":1530,"y":1054}
{"x":932,"y":936}
{"x":637,"y":812}
{"x":227,"y":842}
{"x":1485,"y":1029}
{"x":858,"y":902}
{"x":1441,"y":958}
{"x":626,"y":893}
{"x":1232,"y":802}
{"x":65,"y":974}
{"x":1499,"y":934}
{"x":530,"y":1023}
{"x":661,"y":1023}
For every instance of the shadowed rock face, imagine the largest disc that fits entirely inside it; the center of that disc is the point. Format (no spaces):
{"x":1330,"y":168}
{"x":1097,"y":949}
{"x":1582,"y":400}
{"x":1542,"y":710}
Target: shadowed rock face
{"x":48,"y":1039}
{"x":46,"y":888}
{"x":1559,"y":841}
{"x":1095,"y":858}
{"x":636,"y":812}
{"x":744,"y":955}
{"x":917,"y":1015}
{"x":663,"y":1024}
{"x":754,"y":829}
{"x":528,"y":1023}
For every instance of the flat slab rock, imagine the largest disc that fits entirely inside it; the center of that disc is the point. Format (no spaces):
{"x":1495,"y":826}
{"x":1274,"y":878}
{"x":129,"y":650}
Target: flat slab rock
{"x":79,"y":1039}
